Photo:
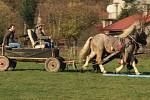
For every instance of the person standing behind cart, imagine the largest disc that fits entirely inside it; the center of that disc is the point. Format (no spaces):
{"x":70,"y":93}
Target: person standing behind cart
{"x":9,"y":38}
{"x":42,"y":37}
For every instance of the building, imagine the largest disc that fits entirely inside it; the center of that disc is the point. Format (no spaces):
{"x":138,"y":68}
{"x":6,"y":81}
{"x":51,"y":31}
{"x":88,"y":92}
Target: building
{"x":126,"y":22}
{"x":115,"y":9}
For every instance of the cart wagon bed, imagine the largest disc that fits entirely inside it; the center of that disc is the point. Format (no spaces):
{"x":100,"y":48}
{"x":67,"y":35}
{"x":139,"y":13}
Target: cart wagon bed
{"x":49,"y":56}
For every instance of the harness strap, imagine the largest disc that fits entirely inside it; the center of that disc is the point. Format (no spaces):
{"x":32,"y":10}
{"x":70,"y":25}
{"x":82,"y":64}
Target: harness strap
{"x":135,"y":40}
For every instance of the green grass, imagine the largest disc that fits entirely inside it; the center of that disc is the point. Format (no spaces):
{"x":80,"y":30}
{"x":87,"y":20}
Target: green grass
{"x":30,"y":82}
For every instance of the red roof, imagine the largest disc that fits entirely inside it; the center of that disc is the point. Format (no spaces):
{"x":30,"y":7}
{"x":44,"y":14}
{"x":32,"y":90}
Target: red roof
{"x":125,"y":23}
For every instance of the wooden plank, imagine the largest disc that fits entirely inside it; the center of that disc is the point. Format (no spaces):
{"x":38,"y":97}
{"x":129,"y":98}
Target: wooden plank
{"x":32,"y":54}
{"x":109,"y":56}
{"x":29,"y":50}
{"x":25,"y":59}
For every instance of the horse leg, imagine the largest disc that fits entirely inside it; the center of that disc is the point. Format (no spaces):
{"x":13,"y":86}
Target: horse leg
{"x":135,"y":69}
{"x":88,"y":58}
{"x":120,"y":67}
{"x":99,"y":61}
{"x":102,"y":69}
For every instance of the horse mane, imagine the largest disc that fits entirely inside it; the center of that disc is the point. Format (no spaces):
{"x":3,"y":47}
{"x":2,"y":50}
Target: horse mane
{"x":134,"y":26}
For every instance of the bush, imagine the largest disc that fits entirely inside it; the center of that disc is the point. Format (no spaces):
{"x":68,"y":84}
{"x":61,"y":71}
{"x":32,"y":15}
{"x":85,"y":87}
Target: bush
{"x":6,"y":17}
{"x":70,"y":22}
{"x":27,"y":11}
{"x":130,"y":10}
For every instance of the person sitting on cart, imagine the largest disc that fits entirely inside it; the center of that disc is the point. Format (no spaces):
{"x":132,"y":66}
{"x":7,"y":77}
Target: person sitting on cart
{"x":42,"y":37}
{"x":9,"y":38}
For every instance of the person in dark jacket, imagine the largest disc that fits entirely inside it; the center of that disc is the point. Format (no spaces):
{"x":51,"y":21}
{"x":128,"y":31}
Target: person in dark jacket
{"x":9,"y":39}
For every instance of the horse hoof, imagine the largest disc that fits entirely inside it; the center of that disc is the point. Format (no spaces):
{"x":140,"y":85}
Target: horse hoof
{"x":81,"y":70}
{"x":138,"y":73}
{"x":115,"y":72}
{"x":104,"y":72}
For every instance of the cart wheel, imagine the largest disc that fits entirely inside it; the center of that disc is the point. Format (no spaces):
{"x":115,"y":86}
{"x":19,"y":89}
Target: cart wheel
{"x":12,"y":65}
{"x":62,"y":64}
{"x":4,"y":63}
{"x":52,"y":65}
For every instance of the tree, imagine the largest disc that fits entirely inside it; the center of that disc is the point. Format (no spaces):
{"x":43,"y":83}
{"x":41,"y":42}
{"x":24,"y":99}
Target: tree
{"x":6,"y":17}
{"x":27,"y":11}
{"x":131,"y":7}
{"x":69,"y":23}
{"x":129,"y":1}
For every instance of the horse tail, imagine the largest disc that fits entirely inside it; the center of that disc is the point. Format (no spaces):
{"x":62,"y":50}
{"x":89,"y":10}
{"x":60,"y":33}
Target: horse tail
{"x":86,"y":49}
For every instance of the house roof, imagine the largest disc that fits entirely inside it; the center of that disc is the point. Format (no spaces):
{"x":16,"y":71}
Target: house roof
{"x":125,"y":23}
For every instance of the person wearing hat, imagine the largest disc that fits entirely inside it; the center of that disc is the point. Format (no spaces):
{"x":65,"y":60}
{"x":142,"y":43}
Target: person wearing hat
{"x":42,"y":37}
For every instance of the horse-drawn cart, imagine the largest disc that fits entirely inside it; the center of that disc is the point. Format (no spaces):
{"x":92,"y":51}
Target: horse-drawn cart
{"x":49,"y":56}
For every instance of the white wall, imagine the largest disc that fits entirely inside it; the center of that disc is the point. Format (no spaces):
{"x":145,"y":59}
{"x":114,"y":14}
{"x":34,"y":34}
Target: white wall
{"x":115,"y":9}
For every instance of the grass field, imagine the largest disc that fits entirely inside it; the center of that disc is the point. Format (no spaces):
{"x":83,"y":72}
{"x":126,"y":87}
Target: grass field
{"x":30,"y":82}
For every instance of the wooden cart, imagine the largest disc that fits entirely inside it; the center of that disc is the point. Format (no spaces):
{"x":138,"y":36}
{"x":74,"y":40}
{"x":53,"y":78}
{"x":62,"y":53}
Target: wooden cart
{"x":49,"y":56}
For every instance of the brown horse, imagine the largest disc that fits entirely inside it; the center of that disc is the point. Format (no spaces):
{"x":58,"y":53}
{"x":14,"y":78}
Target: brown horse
{"x":125,"y":43}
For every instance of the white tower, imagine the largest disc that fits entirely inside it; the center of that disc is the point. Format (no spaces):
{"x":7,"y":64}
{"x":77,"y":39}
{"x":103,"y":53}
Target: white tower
{"x":115,"y":9}
{"x":146,"y":4}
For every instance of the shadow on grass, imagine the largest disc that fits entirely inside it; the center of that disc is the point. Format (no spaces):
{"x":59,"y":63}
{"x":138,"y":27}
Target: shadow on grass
{"x":28,"y":70}
{"x":146,"y":73}
{"x":78,"y":71}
